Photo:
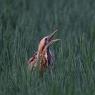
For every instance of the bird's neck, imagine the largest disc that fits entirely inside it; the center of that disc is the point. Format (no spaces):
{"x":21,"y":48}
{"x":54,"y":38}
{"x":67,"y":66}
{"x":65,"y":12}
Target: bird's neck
{"x":48,"y":55}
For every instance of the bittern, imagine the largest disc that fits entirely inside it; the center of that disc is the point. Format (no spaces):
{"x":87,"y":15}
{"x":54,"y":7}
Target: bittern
{"x":43,"y":58}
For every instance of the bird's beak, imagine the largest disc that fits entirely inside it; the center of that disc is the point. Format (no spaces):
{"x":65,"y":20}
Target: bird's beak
{"x":50,"y":37}
{"x":51,"y":40}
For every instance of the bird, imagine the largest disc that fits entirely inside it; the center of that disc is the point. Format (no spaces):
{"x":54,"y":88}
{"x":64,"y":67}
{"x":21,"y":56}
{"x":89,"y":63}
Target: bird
{"x":43,"y":57}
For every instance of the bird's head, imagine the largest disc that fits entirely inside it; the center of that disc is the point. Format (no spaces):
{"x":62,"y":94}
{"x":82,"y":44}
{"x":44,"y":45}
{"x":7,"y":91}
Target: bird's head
{"x":47,"y":41}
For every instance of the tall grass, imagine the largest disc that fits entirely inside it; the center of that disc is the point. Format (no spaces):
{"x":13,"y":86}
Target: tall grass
{"x":24,"y":22}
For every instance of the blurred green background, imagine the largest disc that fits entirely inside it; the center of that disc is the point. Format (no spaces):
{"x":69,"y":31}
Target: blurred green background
{"x":24,"y":22}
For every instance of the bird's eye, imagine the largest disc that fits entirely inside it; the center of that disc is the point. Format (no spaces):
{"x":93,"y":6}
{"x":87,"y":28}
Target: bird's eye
{"x":46,"y":40}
